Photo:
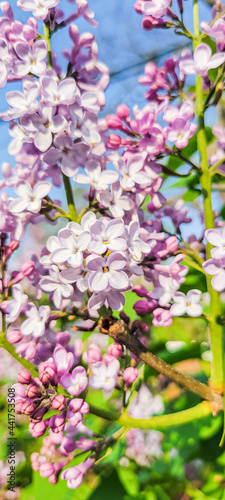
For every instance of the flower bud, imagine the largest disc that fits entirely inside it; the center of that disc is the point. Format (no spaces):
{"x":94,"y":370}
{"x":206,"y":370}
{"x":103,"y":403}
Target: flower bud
{"x":130,"y":374}
{"x":32,"y":391}
{"x":113,"y":122}
{"x":144,"y":307}
{"x":57,"y":423}
{"x":28,"y":407}
{"x":27,"y":268}
{"x":38,"y":415}
{"x":7,"y":170}
{"x":122,"y":111}
{"x":114,"y":141}
{"x":141,"y":291}
{"x":53,"y":479}
{"x":48,"y":373}
{"x":59,"y":402}
{"x":24,"y":376}
{"x":14,"y":336}
{"x":38,"y":429}
{"x":46,"y":469}
{"x":115,"y":350}
{"x":138,"y":6}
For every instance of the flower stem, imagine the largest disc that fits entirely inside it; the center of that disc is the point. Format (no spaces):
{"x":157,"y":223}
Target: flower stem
{"x":216,"y":330}
{"x":160,"y":422}
{"x":69,"y":196}
{"x":48,"y":40}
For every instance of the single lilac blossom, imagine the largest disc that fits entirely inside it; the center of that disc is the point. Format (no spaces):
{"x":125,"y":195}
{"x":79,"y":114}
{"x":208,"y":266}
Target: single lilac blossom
{"x":180,"y":132}
{"x":12,"y":308}
{"x":217,"y":268}
{"x":75,"y":382}
{"x":217,"y":239}
{"x":39,"y":8}
{"x":155,"y":8}
{"x":188,"y":304}
{"x":31,"y":60}
{"x":203,"y":61}
{"x":29,"y":198}
{"x":68,"y":154}
{"x":104,"y":376}
{"x":107,"y":235}
{"x":95,"y":176}
{"x":107,"y":272}
{"x":37,"y":318}
{"x":63,"y":360}
{"x":55,"y":285}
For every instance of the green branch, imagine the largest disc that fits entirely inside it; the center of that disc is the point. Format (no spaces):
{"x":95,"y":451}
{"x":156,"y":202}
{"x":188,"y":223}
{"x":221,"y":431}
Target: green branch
{"x":160,"y":422}
{"x":216,"y":332}
{"x":10,"y":349}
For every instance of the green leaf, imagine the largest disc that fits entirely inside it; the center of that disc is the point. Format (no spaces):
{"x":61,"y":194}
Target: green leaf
{"x":129,"y":480}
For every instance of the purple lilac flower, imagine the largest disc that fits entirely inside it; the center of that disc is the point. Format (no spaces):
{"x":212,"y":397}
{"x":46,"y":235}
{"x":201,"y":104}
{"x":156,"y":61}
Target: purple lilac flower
{"x":84,"y":124}
{"x":155,"y":8}
{"x":95,"y":176}
{"x":63,"y":360}
{"x":216,"y":31}
{"x":136,"y":246}
{"x":29,"y":198}
{"x":46,"y":122}
{"x":217,"y":239}
{"x":30,"y":59}
{"x":216,"y":268}
{"x":109,"y":298}
{"x":77,"y":408}
{"x":71,"y":248}
{"x":56,"y":93}
{"x":107,"y":235}
{"x":21,"y":103}
{"x":55,"y":285}
{"x":37,"y":318}
{"x":20,"y":135}
{"x":162,"y":317}
{"x":132,"y":172}
{"x":180,"y":132}
{"x":104,"y":376}
{"x":107,"y":272}
{"x":188,"y":304}
{"x":75,"y":382}
{"x":186,"y":111}
{"x":12,"y":308}
{"x":39,"y":8}
{"x":203,"y":61}
{"x":67,"y":153}
{"x":165,"y":292}
{"x":115,"y":201}
{"x":74,"y":475}
{"x":5,"y":62}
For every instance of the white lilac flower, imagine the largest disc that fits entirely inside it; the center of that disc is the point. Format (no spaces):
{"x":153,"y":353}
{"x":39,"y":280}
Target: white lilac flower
{"x":95,"y":176}
{"x":104,"y":376}
{"x":217,"y":239}
{"x":107,"y":235}
{"x":12,"y":308}
{"x":35,"y":323}
{"x":188,"y":304}
{"x":165,"y":292}
{"x":107,"y":272}
{"x":29,"y":198}
{"x":136,"y":246}
{"x":115,"y":201}
{"x":55,"y":285}
{"x":71,"y":248}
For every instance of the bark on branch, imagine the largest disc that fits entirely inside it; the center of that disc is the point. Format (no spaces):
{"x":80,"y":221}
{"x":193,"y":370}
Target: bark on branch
{"x":120,"y":333}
